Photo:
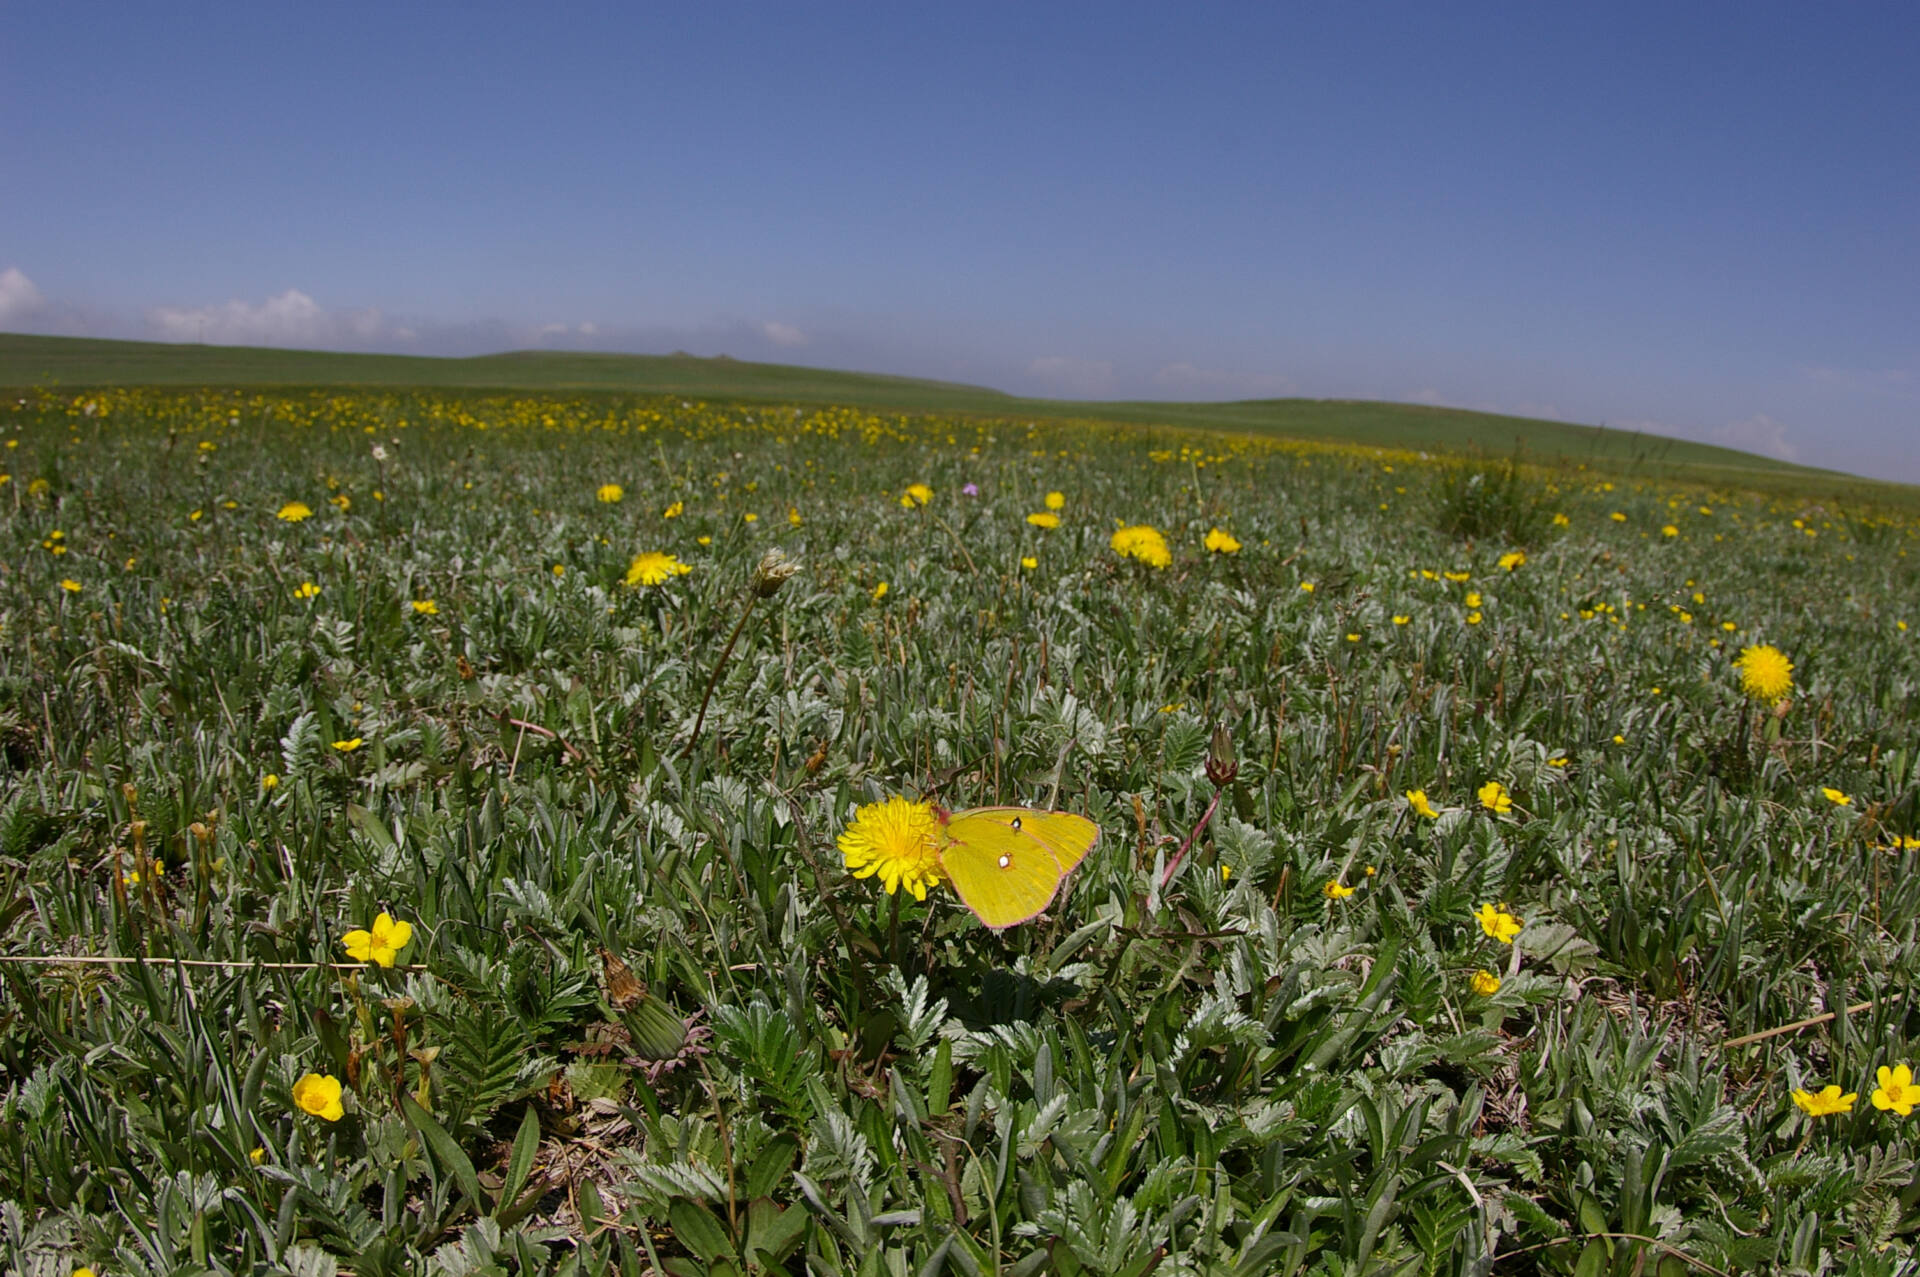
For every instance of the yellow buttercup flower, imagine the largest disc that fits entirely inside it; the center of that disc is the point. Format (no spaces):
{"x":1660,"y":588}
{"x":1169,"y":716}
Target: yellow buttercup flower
{"x":1043,"y":519}
{"x":674,"y":511}
{"x":1765,"y":673}
{"x":382,"y":944}
{"x":305,"y":590}
{"x":1498,"y":923}
{"x":1029,"y":562}
{"x":1896,"y":1091}
{"x":611,"y":493}
{"x":1306,"y":587}
{"x":897,"y":840}
{"x":1495,"y":798}
{"x":426,"y":607}
{"x":1056,"y":500}
{"x":1826,"y":1102}
{"x":1336,"y":890}
{"x":1401,"y":620}
{"x":319,"y":1094}
{"x":269,"y":782}
{"x":294,"y":511}
{"x":654,"y":568}
{"x":1513,"y":559}
{"x":1485,"y":983}
{"x":1219,"y":542}
{"x":348,"y":746}
{"x":1142,"y":542}
{"x":1836,"y":797}
{"x":1417,"y":800}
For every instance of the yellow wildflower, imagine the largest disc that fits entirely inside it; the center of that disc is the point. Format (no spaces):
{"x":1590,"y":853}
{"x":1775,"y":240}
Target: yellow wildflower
{"x":1056,"y":500}
{"x":426,"y":607}
{"x":380,"y":945}
{"x":1400,"y":619}
{"x":655,"y":568}
{"x":1417,"y":800}
{"x":880,"y":591}
{"x":1834,"y":796}
{"x":1029,"y":563}
{"x":1043,"y":519}
{"x":1142,"y":542}
{"x":674,"y":511}
{"x":269,"y":782}
{"x":348,"y":746}
{"x":294,"y":511}
{"x":1513,"y":559}
{"x":1336,"y":890}
{"x":319,"y":1094}
{"x":1494,"y":797}
{"x":305,"y":590}
{"x":1896,"y":1090}
{"x":71,"y":586}
{"x":1498,"y":923}
{"x":899,"y":841}
{"x":916,"y":494}
{"x":1485,"y":983}
{"x":1765,"y":672}
{"x":1826,"y":1102}
{"x":1219,"y":542}
{"x":611,"y":493}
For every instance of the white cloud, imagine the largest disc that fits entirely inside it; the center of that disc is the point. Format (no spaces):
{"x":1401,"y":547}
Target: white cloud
{"x":784,"y":335}
{"x":290,"y":319}
{"x":19,"y":299}
{"x":1759,"y":433}
{"x":1190,"y":380}
{"x":1075,"y":378}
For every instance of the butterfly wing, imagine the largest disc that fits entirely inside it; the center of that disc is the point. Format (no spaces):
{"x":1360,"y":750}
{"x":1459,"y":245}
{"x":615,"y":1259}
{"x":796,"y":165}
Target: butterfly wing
{"x":1007,"y":862}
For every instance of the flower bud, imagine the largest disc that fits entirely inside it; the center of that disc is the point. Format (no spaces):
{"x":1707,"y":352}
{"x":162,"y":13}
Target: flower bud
{"x":771,"y":573}
{"x":1222,"y":767}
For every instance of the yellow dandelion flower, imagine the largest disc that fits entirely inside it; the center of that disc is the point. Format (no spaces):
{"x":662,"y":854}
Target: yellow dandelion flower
{"x":1219,"y":542}
{"x":1485,"y":983}
{"x":897,"y":840}
{"x":1473,"y":598}
{"x":1417,"y":801}
{"x":1056,"y":500}
{"x":654,"y":568}
{"x":1669,"y":531}
{"x":1618,"y":517}
{"x":1495,"y":798}
{"x":294,"y":511}
{"x":1896,"y":1090}
{"x":1043,"y":519}
{"x":382,"y":944}
{"x":674,"y":511}
{"x":1498,"y":923}
{"x":1142,"y":542}
{"x":1765,"y":672}
{"x":611,"y":493}
{"x":916,"y":494}
{"x":71,"y":586}
{"x":1826,"y":1102}
{"x":1513,"y":559}
{"x":319,"y":1094}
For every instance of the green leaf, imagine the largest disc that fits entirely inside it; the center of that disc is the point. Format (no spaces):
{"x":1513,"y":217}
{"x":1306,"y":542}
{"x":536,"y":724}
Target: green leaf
{"x":446,"y":1153}
{"x":699,"y":1230}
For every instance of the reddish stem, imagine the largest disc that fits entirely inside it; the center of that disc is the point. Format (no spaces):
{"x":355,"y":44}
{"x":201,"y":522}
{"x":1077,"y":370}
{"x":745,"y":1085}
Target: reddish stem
{"x":1174,"y":864}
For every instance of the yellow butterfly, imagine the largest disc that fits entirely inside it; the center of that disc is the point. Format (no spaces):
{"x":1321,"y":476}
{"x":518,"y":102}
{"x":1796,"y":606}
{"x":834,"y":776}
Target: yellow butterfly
{"x":1007,"y":862}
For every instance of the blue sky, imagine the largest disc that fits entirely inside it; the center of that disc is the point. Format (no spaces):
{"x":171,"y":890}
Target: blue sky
{"x":1695,"y":220}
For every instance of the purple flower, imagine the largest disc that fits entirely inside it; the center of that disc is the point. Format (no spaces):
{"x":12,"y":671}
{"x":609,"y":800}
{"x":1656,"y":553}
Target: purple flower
{"x":971,"y":490}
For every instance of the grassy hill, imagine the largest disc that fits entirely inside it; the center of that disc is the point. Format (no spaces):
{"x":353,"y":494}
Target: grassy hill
{"x":30,"y":361}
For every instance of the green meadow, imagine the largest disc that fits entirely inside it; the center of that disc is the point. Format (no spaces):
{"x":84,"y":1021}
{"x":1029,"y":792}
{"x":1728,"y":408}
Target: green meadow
{"x":408,"y":867}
